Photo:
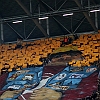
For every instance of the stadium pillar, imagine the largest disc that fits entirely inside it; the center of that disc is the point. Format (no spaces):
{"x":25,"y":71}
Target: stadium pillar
{"x":2,"y":38}
{"x":96,"y":19}
{"x":47,"y":20}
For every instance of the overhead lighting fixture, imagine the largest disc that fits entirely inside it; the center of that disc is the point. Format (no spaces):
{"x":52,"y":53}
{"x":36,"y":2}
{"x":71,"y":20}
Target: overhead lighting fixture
{"x":69,"y":14}
{"x":95,"y":10}
{"x":43,"y":18}
{"x":19,"y":21}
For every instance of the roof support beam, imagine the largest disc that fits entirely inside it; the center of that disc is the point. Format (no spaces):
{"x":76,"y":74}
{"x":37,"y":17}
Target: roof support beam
{"x":30,"y":15}
{"x":86,"y":15}
{"x":15,"y":31}
{"x":79,"y":25}
{"x":30,"y":33}
{"x":59,"y":26}
{"x":52,"y":17}
{"x":62,"y":5}
{"x":42,"y":4}
{"x":62,"y":25}
{"x":51,"y":13}
{"x":47,"y":5}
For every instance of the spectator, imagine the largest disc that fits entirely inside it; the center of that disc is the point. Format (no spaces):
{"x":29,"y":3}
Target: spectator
{"x":19,"y":43}
{"x":65,"y":41}
{"x":75,"y":36}
{"x":69,"y":40}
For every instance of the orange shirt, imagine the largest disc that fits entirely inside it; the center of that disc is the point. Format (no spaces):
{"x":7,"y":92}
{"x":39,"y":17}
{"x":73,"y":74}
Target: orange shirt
{"x":66,"y":40}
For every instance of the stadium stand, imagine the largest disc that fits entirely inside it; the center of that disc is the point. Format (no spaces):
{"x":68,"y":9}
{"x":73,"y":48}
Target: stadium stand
{"x":31,"y":52}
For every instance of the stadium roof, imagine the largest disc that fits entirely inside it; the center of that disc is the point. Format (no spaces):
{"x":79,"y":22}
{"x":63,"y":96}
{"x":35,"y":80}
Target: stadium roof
{"x":29,"y":11}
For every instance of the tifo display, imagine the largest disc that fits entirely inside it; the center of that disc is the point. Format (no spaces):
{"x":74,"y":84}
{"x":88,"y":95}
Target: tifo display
{"x":51,"y":69}
{"x":52,"y":83}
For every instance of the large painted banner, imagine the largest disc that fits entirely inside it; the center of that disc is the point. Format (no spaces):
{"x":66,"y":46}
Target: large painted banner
{"x":54,"y":80}
{"x":51,"y":82}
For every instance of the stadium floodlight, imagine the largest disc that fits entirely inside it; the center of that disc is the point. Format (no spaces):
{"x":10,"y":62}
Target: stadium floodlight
{"x":69,"y":14}
{"x":43,"y":18}
{"x":95,"y":10}
{"x":18,"y":21}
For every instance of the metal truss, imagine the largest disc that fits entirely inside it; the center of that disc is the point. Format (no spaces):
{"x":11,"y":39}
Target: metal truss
{"x":52,"y":12}
{"x":86,"y":15}
{"x":15,"y":31}
{"x":79,"y":25}
{"x":30,"y":33}
{"x":30,"y":15}
{"x":62,"y":25}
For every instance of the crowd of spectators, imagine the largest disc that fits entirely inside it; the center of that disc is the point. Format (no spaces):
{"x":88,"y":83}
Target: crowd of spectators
{"x":68,"y":39}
